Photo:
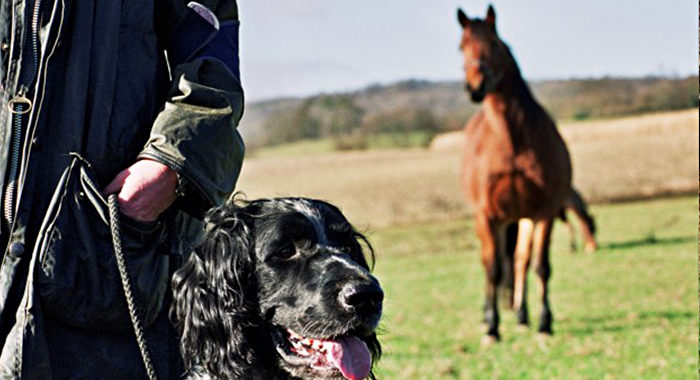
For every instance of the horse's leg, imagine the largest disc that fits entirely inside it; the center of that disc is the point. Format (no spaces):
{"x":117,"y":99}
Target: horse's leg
{"x":522,"y":262}
{"x":570,"y":228}
{"x":508,"y":241}
{"x":578,"y":206}
{"x":487,"y":232}
{"x":540,"y":246}
{"x":482,"y":232}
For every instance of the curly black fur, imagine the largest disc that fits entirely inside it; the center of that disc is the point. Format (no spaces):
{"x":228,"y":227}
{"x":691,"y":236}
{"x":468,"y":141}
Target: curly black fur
{"x":263,"y":267}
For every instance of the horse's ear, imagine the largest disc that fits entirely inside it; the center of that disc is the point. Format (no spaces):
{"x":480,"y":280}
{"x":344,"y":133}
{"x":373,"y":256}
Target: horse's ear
{"x":462,"y":18}
{"x":491,"y":17}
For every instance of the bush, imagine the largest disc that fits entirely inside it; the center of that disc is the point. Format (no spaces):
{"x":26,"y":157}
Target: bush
{"x":351,"y":142}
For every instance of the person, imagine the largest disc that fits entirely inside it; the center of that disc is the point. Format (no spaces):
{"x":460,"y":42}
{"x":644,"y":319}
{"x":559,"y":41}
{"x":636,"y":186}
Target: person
{"x":141,"y":99}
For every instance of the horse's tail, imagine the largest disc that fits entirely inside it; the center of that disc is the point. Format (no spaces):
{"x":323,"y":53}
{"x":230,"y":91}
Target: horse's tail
{"x":576,"y":204}
{"x":579,"y":206}
{"x":507,"y":262}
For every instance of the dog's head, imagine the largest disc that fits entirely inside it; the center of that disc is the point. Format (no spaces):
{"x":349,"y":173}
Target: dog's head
{"x":279,"y":287}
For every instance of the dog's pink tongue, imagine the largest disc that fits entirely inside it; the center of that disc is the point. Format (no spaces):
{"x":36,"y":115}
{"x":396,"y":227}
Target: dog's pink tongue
{"x":350,"y":355}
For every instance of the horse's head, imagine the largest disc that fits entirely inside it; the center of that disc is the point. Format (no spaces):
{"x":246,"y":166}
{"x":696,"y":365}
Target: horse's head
{"x":486,"y":57}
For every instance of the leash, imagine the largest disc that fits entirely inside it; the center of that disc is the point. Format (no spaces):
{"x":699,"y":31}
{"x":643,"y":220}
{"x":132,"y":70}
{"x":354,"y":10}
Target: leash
{"x":134,"y":312}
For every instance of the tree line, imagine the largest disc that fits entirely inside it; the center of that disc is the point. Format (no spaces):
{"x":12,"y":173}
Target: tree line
{"x":410,"y":113}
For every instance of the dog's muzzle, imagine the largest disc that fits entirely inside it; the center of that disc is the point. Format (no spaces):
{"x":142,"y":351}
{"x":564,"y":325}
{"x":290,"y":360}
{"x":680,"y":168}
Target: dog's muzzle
{"x":364,"y":300}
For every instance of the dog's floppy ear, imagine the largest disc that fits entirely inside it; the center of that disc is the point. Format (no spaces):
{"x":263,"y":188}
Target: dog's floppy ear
{"x":211,"y":306}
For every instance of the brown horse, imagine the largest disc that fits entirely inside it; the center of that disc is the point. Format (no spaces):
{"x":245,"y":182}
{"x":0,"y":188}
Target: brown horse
{"x":516,"y":169}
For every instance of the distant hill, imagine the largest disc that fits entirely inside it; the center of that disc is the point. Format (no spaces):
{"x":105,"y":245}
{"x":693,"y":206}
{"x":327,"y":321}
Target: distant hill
{"x":403,"y":106}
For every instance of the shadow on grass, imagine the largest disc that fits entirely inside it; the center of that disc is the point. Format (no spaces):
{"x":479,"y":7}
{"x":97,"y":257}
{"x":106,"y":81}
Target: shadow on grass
{"x":623,"y":322}
{"x":647,"y":241}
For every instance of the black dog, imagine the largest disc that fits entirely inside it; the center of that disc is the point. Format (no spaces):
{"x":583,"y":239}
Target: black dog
{"x":278,"y":289}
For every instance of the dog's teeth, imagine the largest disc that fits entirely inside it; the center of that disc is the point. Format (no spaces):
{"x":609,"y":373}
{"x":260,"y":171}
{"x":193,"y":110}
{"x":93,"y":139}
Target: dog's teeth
{"x":294,"y":335}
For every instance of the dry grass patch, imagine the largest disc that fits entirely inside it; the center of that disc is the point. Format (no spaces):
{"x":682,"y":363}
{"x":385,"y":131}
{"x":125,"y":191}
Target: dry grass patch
{"x":615,"y":159}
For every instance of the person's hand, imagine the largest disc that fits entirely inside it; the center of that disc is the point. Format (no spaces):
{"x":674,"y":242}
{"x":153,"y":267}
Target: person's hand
{"x":145,"y":189}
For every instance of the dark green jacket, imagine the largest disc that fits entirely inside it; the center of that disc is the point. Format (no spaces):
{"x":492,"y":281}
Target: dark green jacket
{"x":100,"y":89}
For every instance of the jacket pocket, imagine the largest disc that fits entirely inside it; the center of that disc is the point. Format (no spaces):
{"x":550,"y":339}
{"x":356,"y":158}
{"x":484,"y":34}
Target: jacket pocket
{"x":78,"y":279}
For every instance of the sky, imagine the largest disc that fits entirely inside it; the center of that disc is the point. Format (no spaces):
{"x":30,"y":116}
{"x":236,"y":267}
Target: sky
{"x":305,"y":47}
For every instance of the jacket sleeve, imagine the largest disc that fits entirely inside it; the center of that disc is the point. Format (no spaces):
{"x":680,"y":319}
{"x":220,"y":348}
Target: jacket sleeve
{"x":195,"y":133}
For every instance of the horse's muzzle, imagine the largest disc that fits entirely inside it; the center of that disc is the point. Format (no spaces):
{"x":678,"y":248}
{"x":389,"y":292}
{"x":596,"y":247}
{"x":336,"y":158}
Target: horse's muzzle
{"x":478,"y":94}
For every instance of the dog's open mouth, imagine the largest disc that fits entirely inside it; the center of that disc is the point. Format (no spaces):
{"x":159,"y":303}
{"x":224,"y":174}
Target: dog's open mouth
{"x":347,"y":354}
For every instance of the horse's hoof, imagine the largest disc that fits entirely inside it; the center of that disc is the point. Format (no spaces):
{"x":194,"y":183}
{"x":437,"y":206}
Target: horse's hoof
{"x":591,"y":247}
{"x":489,"y":340}
{"x":543,"y":338}
{"x":545,"y":331}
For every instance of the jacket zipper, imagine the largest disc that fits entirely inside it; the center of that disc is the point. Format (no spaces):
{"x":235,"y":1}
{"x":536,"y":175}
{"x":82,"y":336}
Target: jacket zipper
{"x":20,"y":105}
{"x":35,"y":37}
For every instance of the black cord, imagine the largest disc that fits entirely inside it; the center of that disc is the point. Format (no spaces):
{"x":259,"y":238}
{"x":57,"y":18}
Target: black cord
{"x":126,"y":283}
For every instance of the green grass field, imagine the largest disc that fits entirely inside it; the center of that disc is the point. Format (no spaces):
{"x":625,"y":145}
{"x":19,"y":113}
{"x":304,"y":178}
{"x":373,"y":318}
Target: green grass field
{"x":627,"y":311}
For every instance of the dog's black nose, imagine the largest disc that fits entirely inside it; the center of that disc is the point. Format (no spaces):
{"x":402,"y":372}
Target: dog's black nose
{"x":362,"y":298}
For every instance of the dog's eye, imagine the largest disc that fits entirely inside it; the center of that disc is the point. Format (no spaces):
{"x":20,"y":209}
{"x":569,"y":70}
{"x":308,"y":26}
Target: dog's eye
{"x":287,"y":251}
{"x":345,"y":249}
